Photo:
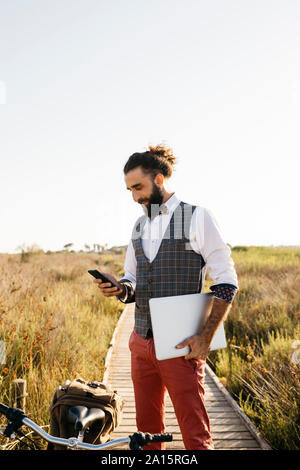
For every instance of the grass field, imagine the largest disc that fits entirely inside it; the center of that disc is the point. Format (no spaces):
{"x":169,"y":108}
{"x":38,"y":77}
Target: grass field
{"x":56,"y":325}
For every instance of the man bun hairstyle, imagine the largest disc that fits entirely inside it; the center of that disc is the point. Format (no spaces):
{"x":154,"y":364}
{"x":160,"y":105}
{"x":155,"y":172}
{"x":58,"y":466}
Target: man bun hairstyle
{"x":157,"y":159}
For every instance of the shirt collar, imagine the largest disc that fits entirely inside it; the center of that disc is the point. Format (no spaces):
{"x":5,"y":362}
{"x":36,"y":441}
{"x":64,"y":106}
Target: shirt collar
{"x":170,"y":204}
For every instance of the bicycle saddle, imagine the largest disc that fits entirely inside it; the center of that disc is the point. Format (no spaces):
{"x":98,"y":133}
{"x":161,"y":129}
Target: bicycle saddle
{"x":84,"y":417}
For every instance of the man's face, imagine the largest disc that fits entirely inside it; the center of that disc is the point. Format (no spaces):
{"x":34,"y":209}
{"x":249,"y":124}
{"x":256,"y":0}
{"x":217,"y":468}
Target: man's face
{"x":144,"y":190}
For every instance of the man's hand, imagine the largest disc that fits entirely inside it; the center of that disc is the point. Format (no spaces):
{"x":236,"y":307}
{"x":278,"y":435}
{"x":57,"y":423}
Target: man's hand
{"x":107,"y":289}
{"x":200,"y":343}
{"x":199,"y":347}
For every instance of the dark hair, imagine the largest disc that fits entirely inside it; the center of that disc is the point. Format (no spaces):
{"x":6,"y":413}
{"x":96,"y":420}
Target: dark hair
{"x":158,"y":159}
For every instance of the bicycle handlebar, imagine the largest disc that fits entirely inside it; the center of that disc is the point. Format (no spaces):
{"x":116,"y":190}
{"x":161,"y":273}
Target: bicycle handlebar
{"x":136,"y":441}
{"x":6,"y":410}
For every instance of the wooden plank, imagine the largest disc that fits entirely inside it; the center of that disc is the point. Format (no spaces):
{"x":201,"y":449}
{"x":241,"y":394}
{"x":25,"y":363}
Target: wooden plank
{"x":170,"y":414}
{"x":216,"y":401}
{"x":210,"y":406}
{"x":214,"y":422}
{"x":207,"y":395}
{"x":130,"y":425}
{"x":222,"y":434}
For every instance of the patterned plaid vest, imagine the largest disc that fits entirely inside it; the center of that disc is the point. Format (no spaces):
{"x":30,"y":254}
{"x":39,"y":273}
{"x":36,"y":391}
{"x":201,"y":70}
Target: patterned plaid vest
{"x":176,"y":269}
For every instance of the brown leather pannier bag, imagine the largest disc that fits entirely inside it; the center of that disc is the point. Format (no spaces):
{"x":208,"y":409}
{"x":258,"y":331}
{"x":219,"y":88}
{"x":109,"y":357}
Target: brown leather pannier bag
{"x":89,"y":394}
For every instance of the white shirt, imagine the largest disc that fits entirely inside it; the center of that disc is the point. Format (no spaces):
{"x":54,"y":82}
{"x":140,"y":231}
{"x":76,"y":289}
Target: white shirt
{"x":205,"y":239}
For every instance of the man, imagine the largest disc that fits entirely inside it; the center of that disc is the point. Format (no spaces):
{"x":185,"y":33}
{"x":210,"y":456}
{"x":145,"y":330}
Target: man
{"x":160,"y":263}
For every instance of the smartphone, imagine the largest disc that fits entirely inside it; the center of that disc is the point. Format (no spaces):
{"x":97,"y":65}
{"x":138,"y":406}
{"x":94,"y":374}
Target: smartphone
{"x":98,"y":275}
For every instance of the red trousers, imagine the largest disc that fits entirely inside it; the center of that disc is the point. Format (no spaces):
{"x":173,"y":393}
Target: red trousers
{"x":184,"y":381}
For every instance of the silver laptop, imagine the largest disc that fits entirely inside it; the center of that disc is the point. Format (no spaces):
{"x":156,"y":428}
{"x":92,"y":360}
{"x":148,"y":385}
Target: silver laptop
{"x":178,"y":317}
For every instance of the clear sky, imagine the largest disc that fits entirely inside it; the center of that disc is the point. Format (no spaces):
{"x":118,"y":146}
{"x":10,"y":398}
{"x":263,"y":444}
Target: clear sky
{"x":86,"y":83}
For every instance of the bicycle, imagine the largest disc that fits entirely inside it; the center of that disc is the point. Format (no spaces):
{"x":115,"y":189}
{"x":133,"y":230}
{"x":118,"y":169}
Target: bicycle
{"x":82,"y":417}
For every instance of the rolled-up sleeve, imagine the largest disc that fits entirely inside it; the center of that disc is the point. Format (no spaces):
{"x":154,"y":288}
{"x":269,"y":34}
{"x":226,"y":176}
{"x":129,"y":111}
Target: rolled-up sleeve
{"x":217,"y":256}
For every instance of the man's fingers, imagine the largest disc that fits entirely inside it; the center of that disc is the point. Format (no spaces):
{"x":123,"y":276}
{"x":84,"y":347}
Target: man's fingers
{"x":195,"y":357}
{"x":110,"y":290}
{"x":102,"y":284}
{"x":189,"y":357}
{"x":182,"y":344}
{"x":107,"y":288}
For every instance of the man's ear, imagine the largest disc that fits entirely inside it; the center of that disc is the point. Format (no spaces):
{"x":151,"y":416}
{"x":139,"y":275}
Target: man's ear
{"x":159,"y":179}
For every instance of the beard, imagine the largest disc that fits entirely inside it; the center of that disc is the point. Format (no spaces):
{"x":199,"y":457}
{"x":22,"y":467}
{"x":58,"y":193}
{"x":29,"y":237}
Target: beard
{"x":156,"y":198}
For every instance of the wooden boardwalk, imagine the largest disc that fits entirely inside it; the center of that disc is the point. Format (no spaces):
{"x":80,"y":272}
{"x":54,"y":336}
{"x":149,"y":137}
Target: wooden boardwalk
{"x":230,"y":427}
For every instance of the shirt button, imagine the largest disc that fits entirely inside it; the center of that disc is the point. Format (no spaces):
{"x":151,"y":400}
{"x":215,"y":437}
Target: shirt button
{"x":149,"y":280}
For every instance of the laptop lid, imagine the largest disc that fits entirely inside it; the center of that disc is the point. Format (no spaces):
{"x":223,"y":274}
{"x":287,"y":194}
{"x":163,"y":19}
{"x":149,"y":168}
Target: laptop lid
{"x":178,"y":317}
